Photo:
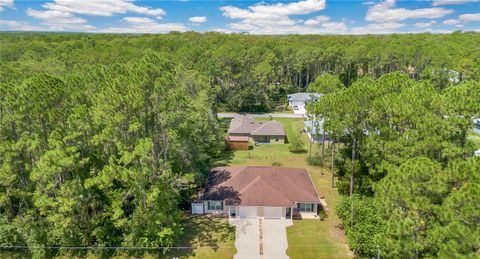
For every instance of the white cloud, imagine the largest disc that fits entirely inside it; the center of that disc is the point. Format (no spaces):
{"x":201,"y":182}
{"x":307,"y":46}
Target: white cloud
{"x":61,"y":14}
{"x":57,"y":20}
{"x":197,"y":19}
{"x":265,"y":18}
{"x":451,"y":22}
{"x":317,"y":20}
{"x":377,"y":28}
{"x":386,"y":12}
{"x":5,"y":3}
{"x":425,"y":24}
{"x":144,"y":25}
{"x":452,"y":2}
{"x":101,"y":7}
{"x":7,"y":25}
{"x":470,"y":17}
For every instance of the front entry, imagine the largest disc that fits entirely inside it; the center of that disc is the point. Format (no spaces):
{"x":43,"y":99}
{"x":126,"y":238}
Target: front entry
{"x":273,"y":212}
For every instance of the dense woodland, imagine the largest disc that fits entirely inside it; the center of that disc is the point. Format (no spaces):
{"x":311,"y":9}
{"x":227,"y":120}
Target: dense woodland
{"x":105,"y":138}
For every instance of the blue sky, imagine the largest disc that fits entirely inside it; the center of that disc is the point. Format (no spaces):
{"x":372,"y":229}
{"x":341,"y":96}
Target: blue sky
{"x":254,"y":17}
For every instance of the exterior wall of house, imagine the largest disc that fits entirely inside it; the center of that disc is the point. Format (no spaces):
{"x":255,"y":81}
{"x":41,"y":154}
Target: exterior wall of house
{"x":271,"y":139}
{"x":296,"y":103}
{"x":207,"y":211}
{"x":233,"y":211}
{"x":309,"y":215}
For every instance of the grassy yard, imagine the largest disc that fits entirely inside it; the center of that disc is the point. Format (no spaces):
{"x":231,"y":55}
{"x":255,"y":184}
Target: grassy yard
{"x":212,"y":237}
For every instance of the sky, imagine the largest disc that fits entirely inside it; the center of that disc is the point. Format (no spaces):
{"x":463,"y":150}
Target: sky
{"x":240,"y":16}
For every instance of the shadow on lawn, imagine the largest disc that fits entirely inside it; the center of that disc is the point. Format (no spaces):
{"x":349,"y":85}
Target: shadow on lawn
{"x":203,"y":231}
{"x":225,"y":158}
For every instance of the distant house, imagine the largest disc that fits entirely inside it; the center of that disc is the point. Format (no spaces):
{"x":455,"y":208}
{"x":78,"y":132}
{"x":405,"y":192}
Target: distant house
{"x":476,"y":125}
{"x":260,"y":131}
{"x":259,"y":192}
{"x":298,"y":101}
{"x":314,"y":130}
{"x":477,"y":153}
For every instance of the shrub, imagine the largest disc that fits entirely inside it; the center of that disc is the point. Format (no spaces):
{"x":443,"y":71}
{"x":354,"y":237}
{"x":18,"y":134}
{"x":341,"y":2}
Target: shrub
{"x":314,"y":160}
{"x":296,"y":145}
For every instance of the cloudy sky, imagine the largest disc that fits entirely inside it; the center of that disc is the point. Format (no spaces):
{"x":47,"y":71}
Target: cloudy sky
{"x":254,"y":17}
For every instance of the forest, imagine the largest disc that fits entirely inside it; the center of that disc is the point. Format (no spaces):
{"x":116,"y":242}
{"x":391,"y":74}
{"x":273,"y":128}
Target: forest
{"x":104,"y":137}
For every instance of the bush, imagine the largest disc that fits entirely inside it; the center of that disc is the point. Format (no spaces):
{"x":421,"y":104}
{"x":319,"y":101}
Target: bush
{"x":296,"y":145}
{"x":314,"y":160}
{"x":276,"y":163}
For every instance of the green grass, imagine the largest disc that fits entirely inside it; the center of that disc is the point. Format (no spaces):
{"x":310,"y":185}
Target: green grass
{"x":211,"y":236}
{"x":309,"y":238}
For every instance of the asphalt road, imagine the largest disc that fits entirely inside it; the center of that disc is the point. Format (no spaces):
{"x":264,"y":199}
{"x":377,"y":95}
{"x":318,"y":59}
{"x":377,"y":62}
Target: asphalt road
{"x":262,"y":115}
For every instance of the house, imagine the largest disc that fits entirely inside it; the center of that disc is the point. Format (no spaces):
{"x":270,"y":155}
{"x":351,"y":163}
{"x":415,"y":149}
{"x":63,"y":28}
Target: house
{"x":260,"y":131}
{"x":477,"y":153}
{"x":298,"y":101}
{"x":259,"y":192}
{"x":314,"y":130}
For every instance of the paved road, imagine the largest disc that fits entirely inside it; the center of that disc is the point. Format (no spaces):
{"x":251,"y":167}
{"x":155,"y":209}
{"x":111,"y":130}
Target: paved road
{"x":262,"y":115}
{"x":247,"y":238}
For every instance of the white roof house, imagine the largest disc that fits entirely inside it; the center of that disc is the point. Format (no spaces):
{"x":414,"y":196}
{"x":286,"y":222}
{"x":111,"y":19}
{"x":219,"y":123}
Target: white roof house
{"x":298,"y":101}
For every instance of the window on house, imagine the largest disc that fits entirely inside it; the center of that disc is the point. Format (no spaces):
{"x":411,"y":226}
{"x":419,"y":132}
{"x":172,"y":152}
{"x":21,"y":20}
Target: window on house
{"x":215,"y":205}
{"x":305,"y":207}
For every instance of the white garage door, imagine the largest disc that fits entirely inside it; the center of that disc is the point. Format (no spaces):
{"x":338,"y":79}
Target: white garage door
{"x":248,"y":212}
{"x":273,"y":212}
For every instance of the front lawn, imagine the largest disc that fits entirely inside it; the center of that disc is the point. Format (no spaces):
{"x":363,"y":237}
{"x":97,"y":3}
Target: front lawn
{"x":210,"y":236}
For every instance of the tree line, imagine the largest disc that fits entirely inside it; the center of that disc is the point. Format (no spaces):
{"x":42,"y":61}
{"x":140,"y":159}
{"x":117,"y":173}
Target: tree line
{"x":405,"y":166}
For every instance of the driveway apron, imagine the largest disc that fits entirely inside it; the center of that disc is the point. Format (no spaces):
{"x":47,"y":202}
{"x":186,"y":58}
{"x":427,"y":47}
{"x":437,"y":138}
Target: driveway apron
{"x":247,"y":238}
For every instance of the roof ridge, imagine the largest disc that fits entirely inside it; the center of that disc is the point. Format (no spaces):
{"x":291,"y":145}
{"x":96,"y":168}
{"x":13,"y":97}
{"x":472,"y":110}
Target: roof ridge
{"x":259,"y":178}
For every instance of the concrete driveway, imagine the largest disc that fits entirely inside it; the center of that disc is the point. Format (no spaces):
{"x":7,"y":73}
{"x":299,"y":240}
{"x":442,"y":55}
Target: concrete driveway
{"x":247,"y":240}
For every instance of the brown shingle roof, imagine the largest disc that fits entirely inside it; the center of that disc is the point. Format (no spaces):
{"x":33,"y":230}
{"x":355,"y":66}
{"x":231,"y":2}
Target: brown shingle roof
{"x":246,"y":125}
{"x":260,"y":186}
{"x":237,"y":138}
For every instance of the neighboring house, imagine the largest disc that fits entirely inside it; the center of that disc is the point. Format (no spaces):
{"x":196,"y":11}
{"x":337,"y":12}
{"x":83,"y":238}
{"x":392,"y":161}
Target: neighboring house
{"x":298,"y":101}
{"x":477,"y":153}
{"x":259,"y":131}
{"x":314,"y":130}
{"x":476,"y":125}
{"x":259,"y":192}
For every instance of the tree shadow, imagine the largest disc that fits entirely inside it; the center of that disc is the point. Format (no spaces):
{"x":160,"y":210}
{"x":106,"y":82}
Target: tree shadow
{"x":224,"y":158}
{"x":213,"y":190}
{"x":203,"y":231}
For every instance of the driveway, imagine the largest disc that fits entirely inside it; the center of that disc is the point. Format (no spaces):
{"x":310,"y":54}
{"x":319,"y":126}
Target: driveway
{"x":247,"y":239}
{"x":262,"y":115}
